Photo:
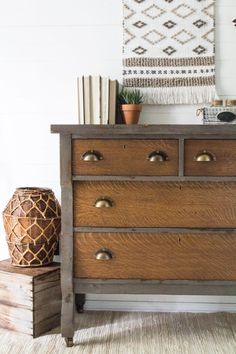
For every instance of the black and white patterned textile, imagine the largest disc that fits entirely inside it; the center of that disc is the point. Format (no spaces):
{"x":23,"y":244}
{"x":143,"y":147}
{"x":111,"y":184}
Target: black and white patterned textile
{"x":168,"y":50}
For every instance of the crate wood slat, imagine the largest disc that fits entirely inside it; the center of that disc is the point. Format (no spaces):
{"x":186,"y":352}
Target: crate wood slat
{"x":176,"y":220}
{"x":30,"y":298}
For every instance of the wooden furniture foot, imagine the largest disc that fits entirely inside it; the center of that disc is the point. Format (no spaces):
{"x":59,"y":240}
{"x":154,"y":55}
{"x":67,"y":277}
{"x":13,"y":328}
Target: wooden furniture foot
{"x":69,"y":342}
{"x":79,"y":302}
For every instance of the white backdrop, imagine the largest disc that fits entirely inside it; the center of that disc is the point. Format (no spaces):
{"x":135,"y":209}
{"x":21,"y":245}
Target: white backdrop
{"x":44,"y":46}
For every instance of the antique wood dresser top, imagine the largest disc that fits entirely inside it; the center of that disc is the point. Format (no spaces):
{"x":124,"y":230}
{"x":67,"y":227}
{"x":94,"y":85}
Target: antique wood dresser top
{"x":146,"y":131}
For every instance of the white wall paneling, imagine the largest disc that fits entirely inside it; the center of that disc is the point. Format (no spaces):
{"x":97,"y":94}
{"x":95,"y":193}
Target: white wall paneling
{"x":45,"y":45}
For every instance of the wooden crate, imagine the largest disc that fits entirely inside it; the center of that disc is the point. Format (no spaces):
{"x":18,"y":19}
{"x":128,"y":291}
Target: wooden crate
{"x":30,"y":298}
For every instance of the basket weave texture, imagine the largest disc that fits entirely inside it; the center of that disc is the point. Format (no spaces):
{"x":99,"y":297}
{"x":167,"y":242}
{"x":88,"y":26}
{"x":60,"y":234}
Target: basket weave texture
{"x":32,"y":221}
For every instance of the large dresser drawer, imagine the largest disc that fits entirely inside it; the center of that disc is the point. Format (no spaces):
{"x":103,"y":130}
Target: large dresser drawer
{"x":206,"y":256}
{"x":210,"y":158}
{"x":125,"y":157}
{"x":155,"y":204}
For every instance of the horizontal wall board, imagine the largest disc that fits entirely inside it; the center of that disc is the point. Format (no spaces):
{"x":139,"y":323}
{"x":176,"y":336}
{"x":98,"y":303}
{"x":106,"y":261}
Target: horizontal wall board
{"x":63,"y":12}
{"x":72,"y":12}
{"x":69,"y":42}
{"x":52,"y":43}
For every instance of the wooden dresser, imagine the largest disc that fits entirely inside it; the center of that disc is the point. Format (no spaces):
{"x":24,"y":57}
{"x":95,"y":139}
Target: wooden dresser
{"x":147,"y":209}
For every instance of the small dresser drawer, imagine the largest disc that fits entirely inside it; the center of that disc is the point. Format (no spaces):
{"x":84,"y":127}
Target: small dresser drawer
{"x":206,"y":256}
{"x":125,"y":157}
{"x":155,"y":204}
{"x":210,"y":158}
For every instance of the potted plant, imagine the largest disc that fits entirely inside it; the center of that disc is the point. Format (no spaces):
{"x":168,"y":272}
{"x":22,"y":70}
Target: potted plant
{"x":130,"y":105}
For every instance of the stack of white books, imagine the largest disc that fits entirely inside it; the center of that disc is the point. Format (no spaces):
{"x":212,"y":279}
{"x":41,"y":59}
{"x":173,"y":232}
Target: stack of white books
{"x":97,"y":98}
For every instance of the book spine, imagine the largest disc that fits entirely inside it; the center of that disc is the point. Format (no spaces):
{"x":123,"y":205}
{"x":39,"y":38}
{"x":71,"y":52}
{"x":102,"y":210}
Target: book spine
{"x":112,"y":102}
{"x":95,"y":100}
{"x":80,"y":85}
{"x":105,"y":100}
{"x":87,"y":99}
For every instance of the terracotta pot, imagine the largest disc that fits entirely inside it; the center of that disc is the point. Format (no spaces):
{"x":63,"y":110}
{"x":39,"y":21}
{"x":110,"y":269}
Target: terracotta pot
{"x":131,"y":113}
{"x":32,"y":221}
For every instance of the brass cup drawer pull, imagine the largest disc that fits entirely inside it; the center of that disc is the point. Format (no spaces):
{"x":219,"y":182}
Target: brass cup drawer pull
{"x":205,"y":156}
{"x":92,"y":156}
{"x":158,"y":156}
{"x":103,"y":203}
{"x":103,"y":255}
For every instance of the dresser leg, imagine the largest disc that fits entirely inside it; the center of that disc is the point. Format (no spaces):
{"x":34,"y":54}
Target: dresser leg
{"x":69,"y":342}
{"x":67,"y":318}
{"x":79,"y":302}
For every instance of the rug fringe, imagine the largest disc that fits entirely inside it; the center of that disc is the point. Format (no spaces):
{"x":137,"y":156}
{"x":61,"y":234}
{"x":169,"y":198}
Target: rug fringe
{"x":178,"y":95}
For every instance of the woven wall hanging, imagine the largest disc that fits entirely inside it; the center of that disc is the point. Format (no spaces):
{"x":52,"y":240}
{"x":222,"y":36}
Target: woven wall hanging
{"x":168,"y":50}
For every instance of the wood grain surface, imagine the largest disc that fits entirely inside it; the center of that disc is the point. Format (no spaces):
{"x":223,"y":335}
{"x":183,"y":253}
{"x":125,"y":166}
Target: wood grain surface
{"x":30,"y":298}
{"x":7,"y":267}
{"x":224,"y":151}
{"x":147,"y":131}
{"x":156,"y":204}
{"x":156,"y":256}
{"x":125,"y":157}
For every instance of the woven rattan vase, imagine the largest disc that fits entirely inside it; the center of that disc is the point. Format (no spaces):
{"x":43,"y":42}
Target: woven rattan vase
{"x":32,"y":221}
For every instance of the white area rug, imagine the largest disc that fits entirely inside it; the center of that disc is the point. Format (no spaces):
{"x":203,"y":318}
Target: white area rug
{"x":134,"y":333}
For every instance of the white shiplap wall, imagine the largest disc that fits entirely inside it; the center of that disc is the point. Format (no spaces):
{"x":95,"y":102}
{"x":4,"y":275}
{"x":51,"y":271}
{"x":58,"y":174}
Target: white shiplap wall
{"x":44,"y":46}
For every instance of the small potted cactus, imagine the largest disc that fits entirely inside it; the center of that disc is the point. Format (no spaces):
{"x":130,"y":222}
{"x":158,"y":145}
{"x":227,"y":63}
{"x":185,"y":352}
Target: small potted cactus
{"x":130,"y":105}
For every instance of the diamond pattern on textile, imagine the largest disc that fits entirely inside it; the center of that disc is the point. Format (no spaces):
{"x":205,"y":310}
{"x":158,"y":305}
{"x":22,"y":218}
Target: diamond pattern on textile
{"x":153,"y":11}
{"x":199,"y":50}
{"x":169,"y":50}
{"x":169,"y":24}
{"x":209,"y":36}
{"x":139,"y":50}
{"x":183,"y":11}
{"x":183,"y":37}
{"x":140,"y":24}
{"x":153,"y":37}
{"x":128,"y":36}
{"x":209,"y":10}
{"x":128,"y":12}
{"x":199,"y":23}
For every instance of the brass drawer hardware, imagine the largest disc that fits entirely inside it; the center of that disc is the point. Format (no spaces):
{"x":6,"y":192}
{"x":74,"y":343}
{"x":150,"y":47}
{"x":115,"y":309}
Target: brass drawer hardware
{"x":103,"y":255}
{"x":158,"y":156}
{"x":103,"y":203}
{"x":92,"y":156}
{"x":205,"y":156}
